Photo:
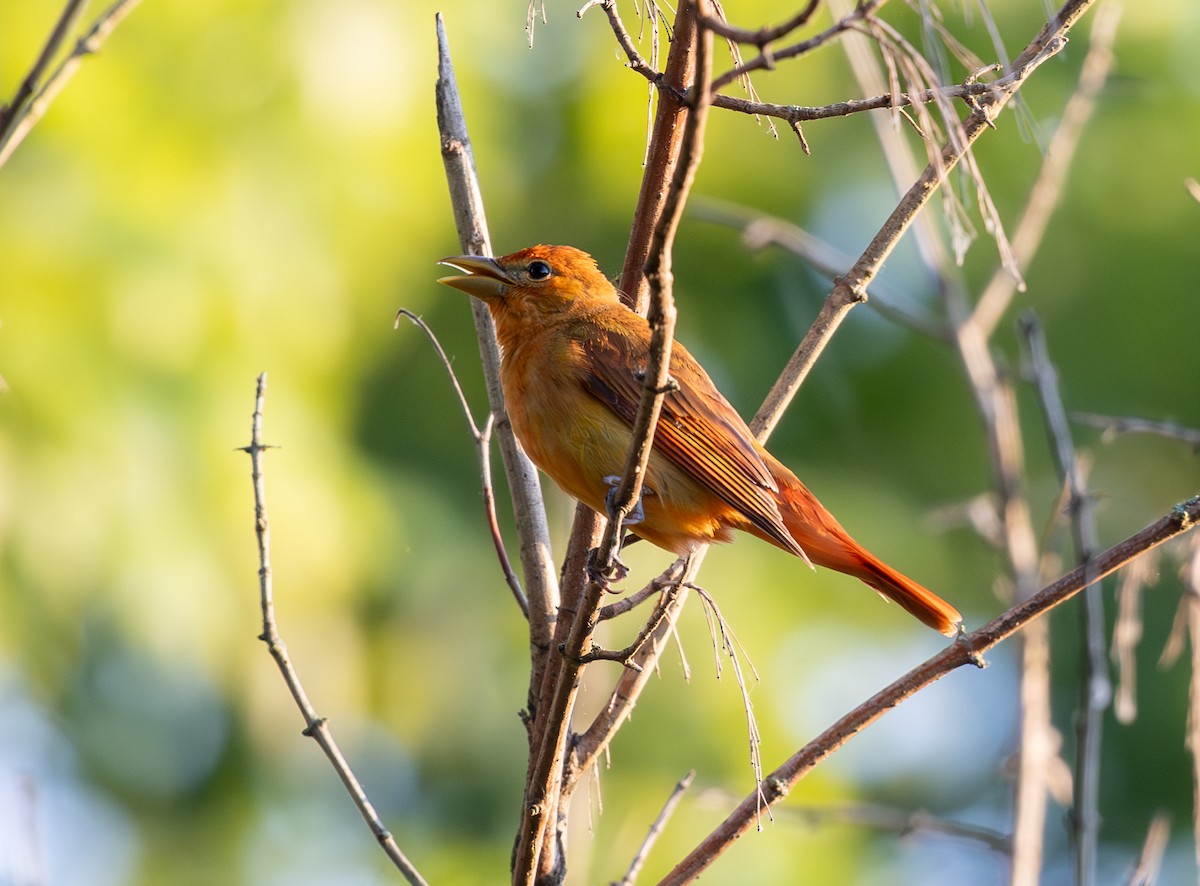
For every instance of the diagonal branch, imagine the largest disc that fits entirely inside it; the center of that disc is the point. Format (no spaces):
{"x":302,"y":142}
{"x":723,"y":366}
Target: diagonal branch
{"x":851,"y":289}
{"x":315,"y":727}
{"x":33,"y":97}
{"x":967,"y":650}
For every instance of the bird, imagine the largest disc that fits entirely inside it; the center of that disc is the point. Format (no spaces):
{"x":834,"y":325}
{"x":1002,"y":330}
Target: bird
{"x":573,"y":361}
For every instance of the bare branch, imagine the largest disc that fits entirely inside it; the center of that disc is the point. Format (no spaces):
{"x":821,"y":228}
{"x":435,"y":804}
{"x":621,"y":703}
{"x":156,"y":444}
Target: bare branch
{"x":541,"y":577}
{"x":1097,"y":687}
{"x":544,"y":788}
{"x":851,"y":289}
{"x":28,"y":107}
{"x":1113,"y":425}
{"x":767,"y":58}
{"x":762,"y":36}
{"x":967,"y":650}
{"x":656,"y":829}
{"x":636,"y":62}
{"x":315,"y":727}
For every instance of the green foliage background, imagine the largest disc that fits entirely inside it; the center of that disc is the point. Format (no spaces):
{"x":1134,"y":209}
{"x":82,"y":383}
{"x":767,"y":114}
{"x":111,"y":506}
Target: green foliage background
{"x":237,"y":187}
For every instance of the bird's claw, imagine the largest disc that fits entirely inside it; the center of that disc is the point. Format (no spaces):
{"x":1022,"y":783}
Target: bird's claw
{"x":605,"y":575}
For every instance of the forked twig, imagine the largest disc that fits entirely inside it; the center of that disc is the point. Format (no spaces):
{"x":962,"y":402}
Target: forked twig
{"x":315,"y":727}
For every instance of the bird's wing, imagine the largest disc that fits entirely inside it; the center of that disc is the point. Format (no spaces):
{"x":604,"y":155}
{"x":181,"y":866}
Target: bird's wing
{"x":697,"y":430}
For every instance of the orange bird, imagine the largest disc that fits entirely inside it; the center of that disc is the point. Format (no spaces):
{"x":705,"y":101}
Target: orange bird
{"x":572,"y":358}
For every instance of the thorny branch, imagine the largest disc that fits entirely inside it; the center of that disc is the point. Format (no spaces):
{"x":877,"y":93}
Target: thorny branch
{"x":316,"y":727}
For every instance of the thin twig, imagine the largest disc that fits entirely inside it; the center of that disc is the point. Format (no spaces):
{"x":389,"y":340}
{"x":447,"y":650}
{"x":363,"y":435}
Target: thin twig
{"x":967,"y":650}
{"x":482,"y":438}
{"x":1149,"y":863}
{"x":767,"y":59}
{"x":656,"y":829}
{"x":1096,"y":685}
{"x":1047,"y":190}
{"x":23,"y":113}
{"x":1113,"y":425}
{"x":850,"y":290}
{"x":761,"y":36}
{"x":316,"y":727}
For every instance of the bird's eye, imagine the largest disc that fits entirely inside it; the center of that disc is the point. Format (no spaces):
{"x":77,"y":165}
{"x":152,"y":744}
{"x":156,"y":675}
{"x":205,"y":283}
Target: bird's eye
{"x":539,"y":270}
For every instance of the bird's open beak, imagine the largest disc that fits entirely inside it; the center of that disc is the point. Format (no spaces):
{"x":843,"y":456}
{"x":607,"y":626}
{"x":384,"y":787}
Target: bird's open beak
{"x":484,"y":278}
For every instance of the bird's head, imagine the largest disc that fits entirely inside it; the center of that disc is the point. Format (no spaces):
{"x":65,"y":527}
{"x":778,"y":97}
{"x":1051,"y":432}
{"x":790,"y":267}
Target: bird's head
{"x":536,"y":282}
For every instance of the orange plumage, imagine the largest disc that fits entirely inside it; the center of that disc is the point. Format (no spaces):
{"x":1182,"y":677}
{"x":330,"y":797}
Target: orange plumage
{"x":572,"y":352}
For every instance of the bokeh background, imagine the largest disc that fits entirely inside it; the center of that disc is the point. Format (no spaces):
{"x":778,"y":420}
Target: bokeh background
{"x":237,"y":187}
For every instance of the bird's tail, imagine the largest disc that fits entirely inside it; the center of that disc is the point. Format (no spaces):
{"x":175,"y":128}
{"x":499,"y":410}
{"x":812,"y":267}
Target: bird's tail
{"x":827,"y":544}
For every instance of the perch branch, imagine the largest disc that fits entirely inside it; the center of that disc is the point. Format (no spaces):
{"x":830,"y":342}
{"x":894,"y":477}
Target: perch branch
{"x":546,"y":781}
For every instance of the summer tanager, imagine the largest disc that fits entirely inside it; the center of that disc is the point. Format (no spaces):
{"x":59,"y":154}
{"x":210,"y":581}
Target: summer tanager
{"x":572,"y":359}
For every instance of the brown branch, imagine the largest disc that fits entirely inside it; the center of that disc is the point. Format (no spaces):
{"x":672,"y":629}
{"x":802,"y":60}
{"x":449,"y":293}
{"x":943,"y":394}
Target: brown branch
{"x":535,"y":856}
{"x":315,"y":727}
{"x":887,"y":101}
{"x":768,"y":57}
{"x":761,"y":36}
{"x":967,"y":650}
{"x":624,"y":40}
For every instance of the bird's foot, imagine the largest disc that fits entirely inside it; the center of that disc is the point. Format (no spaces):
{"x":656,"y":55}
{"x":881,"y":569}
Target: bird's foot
{"x":636,"y":514}
{"x":605,"y":575}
